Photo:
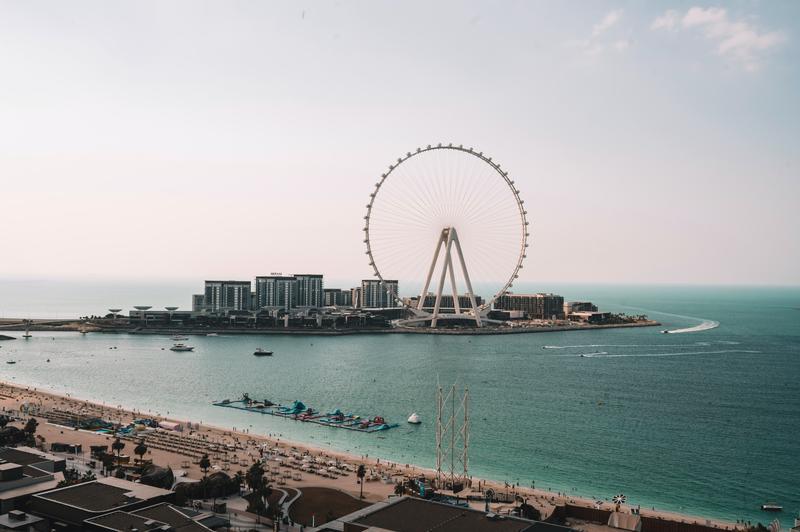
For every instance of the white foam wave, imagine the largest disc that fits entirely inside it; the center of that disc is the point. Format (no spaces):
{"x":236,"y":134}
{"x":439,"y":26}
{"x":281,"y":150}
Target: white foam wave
{"x":582,"y":346}
{"x":596,"y":354}
{"x":683,"y":353}
{"x":706,"y":325}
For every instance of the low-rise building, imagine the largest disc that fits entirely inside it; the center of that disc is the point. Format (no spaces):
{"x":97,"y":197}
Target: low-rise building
{"x":411,"y":514}
{"x":162,"y":516}
{"x":19,"y":520}
{"x":590,"y":317}
{"x":25,"y":471}
{"x":579,"y":306}
{"x":536,"y":306}
{"x":446,"y":303}
{"x":73,"y":505}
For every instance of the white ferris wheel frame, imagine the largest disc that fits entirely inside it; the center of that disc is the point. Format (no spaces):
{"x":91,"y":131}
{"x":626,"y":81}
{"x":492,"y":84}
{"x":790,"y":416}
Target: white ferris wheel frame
{"x":449,"y":233}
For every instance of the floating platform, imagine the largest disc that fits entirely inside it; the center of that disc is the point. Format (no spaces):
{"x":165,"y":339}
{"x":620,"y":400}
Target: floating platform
{"x":300,"y":412}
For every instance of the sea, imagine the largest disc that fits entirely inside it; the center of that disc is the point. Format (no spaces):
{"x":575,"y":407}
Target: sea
{"x":704,"y":421}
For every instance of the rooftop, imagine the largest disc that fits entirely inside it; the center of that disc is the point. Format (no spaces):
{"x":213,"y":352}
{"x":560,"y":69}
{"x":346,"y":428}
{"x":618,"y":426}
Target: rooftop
{"x":409,"y":514}
{"x":26,"y":455}
{"x":105,"y":494}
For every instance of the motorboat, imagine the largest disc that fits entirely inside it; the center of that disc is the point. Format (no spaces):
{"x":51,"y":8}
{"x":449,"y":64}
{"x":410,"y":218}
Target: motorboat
{"x":11,"y":361}
{"x":414,"y":419}
{"x":261,"y":353}
{"x":179,"y":337}
{"x":771,"y":507}
{"x":181,"y":347}
{"x":665,"y":331}
{"x":212,"y":334}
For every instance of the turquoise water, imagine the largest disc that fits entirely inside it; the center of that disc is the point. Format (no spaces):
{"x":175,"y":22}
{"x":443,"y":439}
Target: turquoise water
{"x":705,"y":423}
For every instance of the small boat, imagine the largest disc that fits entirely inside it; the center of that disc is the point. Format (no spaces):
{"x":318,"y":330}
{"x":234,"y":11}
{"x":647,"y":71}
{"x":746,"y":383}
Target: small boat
{"x":181,"y":347}
{"x":212,"y":334}
{"x":771,"y":507}
{"x":27,"y":335}
{"x":11,"y":361}
{"x":179,"y":337}
{"x":665,"y":331}
{"x":261,"y":353}
{"x":414,"y":419}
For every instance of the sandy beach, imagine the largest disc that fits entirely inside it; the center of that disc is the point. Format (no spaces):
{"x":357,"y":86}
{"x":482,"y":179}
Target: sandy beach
{"x":231,"y":450}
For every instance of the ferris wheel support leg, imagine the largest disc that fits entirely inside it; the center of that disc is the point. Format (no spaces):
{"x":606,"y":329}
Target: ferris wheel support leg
{"x":456,"y":306}
{"x":450,"y":236}
{"x":421,"y":302}
{"x":470,"y":292}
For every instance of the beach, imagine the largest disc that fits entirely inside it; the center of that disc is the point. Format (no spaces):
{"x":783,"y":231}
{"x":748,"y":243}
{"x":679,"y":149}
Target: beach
{"x":227,"y":445}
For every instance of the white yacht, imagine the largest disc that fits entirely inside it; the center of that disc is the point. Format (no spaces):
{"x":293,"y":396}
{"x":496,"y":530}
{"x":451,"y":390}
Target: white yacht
{"x":179,"y":337}
{"x":414,"y":419}
{"x":181,"y":347}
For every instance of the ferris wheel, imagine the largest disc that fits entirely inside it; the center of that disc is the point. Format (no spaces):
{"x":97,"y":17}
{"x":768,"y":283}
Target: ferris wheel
{"x":449,"y":222}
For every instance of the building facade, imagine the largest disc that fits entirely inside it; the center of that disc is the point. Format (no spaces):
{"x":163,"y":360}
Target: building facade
{"x":198,"y":302}
{"x":355,"y":297}
{"x":378,"y":294}
{"x":536,"y":306}
{"x":446,"y":303}
{"x":336,"y":297}
{"x":578,"y":306}
{"x":224,"y":296}
{"x":279,"y":291}
{"x":310,"y":290}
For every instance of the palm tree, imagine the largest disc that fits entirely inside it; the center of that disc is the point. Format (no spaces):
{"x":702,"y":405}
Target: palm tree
{"x":361,"y":473}
{"x":140,"y":451}
{"x":117,"y":447}
{"x":205,"y":465}
{"x":260,"y":490}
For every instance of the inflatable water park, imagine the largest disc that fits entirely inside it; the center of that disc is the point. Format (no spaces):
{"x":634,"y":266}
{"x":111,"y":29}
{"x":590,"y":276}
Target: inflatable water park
{"x":300,"y":412}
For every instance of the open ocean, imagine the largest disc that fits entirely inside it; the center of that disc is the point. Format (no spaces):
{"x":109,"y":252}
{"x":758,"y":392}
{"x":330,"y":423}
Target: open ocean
{"x":704,"y":422}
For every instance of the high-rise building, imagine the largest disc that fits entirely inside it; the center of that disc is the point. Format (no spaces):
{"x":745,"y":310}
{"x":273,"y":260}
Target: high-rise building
{"x":355,"y":297}
{"x":536,"y":306}
{"x":198,"y":302}
{"x":378,"y":294}
{"x":336,"y":297}
{"x":224,"y":296}
{"x":309,"y":290}
{"x":276,"y":290}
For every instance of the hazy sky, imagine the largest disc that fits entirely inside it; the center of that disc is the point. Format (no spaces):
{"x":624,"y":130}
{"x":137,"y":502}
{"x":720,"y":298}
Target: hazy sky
{"x":652,"y":142}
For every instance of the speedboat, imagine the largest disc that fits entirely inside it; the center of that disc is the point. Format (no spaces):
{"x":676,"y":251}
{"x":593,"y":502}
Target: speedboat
{"x":771,"y":507}
{"x":181,"y":347}
{"x":414,"y":419}
{"x":665,"y":331}
{"x":179,"y":337}
{"x":11,"y":361}
{"x":261,"y":353}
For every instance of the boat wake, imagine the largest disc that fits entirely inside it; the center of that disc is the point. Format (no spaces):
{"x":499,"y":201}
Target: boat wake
{"x":683,"y":353}
{"x":706,"y":325}
{"x":583,"y":346}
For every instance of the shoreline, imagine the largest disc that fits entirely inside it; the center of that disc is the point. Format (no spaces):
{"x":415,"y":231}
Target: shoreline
{"x":547,"y":501}
{"x":74,"y":326}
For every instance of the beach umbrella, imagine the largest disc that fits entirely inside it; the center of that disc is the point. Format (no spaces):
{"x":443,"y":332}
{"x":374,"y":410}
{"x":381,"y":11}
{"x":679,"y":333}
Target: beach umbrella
{"x":619,"y":499}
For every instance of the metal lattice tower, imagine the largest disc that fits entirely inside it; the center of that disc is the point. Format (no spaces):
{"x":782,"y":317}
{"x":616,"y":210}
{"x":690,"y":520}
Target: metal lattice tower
{"x":452,"y":436}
